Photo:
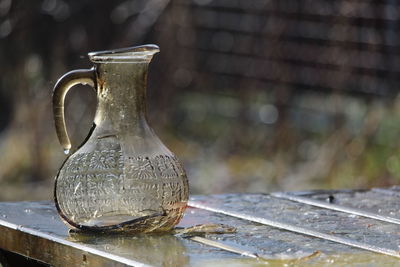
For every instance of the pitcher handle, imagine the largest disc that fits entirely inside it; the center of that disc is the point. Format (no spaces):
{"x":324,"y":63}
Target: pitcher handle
{"x":68,"y":80}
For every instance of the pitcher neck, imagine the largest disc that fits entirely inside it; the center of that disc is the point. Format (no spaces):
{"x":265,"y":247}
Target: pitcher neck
{"x":121,"y":93}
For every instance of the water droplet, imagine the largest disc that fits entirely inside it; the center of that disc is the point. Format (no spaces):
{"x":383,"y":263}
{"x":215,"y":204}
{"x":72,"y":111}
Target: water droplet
{"x":4,"y":216}
{"x":66,"y":151}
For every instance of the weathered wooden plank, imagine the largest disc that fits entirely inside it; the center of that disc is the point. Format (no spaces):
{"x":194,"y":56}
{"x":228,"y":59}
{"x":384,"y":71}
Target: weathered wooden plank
{"x":350,"y":229}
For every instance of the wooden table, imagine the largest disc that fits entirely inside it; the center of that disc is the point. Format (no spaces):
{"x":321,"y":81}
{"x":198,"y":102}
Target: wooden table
{"x":314,"y":228}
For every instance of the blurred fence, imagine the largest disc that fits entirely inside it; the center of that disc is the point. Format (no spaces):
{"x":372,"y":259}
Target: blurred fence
{"x":252,"y":95}
{"x":349,"y":46}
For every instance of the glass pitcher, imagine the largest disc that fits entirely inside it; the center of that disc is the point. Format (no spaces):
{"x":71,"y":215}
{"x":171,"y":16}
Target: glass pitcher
{"x":122,"y":178}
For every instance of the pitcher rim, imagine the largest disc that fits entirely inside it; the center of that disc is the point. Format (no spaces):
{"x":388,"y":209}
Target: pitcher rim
{"x":142,"y":53}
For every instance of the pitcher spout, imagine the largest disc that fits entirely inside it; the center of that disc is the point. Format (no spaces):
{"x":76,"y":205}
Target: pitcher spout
{"x":143,"y":53}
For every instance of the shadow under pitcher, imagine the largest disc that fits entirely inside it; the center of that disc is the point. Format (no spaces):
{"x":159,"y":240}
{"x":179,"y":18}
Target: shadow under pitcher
{"x":122,"y":178}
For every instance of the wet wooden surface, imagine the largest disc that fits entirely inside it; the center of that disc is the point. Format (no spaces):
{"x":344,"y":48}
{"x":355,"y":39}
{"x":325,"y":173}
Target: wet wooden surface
{"x":278,"y":228}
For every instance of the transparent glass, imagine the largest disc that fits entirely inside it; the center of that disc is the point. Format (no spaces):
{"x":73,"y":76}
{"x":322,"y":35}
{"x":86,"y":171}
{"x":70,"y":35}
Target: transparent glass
{"x":122,"y":178}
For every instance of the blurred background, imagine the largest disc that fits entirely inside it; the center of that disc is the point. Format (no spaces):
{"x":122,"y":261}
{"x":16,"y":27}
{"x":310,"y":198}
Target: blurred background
{"x":253,"y":96}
